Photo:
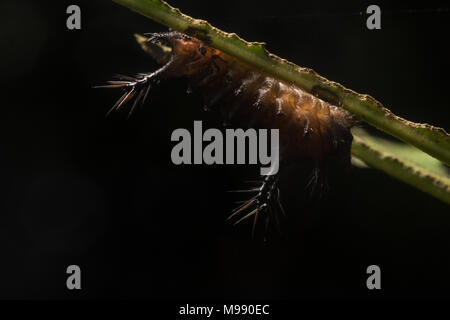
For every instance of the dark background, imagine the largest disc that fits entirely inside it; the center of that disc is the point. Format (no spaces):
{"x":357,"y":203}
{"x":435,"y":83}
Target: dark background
{"x":102,"y":193}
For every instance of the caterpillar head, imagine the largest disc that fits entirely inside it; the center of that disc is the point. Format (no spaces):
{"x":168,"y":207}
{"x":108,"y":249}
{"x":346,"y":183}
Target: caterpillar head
{"x":187,"y":52}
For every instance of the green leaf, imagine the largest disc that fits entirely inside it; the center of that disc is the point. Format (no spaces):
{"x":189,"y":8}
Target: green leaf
{"x":402,"y":162}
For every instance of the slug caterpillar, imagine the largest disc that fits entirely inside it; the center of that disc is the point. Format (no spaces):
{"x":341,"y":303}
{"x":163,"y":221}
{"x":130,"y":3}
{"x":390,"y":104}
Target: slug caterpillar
{"x":312,"y":131}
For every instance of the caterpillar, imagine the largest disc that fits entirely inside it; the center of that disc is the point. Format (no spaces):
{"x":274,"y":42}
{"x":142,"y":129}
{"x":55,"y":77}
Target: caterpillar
{"x":312,"y":131}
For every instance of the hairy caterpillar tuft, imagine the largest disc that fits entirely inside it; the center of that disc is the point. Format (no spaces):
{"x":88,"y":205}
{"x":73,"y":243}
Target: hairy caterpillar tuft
{"x":313,"y":129}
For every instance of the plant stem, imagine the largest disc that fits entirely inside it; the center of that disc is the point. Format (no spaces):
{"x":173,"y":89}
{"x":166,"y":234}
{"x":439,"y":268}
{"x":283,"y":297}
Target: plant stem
{"x":434,"y":141}
{"x":402,"y":170}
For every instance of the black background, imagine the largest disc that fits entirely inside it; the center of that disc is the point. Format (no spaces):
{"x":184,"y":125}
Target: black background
{"x":102,"y":193}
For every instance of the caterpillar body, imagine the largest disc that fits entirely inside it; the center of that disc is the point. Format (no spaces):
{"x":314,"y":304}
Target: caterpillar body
{"x":311,"y":130}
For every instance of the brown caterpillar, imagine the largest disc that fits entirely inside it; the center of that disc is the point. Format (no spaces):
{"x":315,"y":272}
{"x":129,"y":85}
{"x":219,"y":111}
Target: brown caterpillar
{"x":311,"y":130}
